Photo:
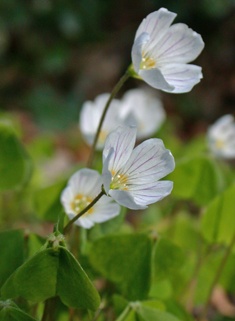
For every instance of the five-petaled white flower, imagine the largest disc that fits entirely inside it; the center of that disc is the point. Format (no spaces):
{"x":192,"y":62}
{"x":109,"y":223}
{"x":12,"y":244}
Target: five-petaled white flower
{"x":141,"y":109}
{"x":161,"y":53}
{"x":91,"y":113}
{"x":131,"y":176}
{"x":221,"y":137}
{"x":82,"y":188}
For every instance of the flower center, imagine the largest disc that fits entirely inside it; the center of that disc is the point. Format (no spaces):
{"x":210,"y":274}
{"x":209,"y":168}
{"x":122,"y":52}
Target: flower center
{"x":147,"y":62}
{"x":80,"y":202}
{"x":119,"y":181}
{"x":219,"y":143}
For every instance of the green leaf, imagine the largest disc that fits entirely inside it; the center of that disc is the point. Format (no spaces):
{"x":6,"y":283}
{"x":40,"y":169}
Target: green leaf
{"x":35,"y":280}
{"x":15,"y":165}
{"x":47,"y":201}
{"x":176,"y":309}
{"x":127,"y":315}
{"x":119,"y":303}
{"x":218,"y":222}
{"x":154,"y":304}
{"x":168,"y":258}
{"x":130,"y":317}
{"x":11,"y":253}
{"x":161,"y":289}
{"x":10,"y":312}
{"x":149,"y":314}
{"x":125,"y":260}
{"x":73,"y":285}
{"x":199,"y":179}
{"x":34,"y":243}
{"x":59,"y":226}
{"x":50,"y":272}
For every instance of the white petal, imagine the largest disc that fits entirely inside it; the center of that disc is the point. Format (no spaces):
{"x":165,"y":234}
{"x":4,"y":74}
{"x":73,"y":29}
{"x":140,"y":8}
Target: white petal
{"x":142,"y":109}
{"x":221,"y":137}
{"x":180,"y":44}
{"x":105,"y":212}
{"x":182,"y":76}
{"x":106,"y":174}
{"x":122,"y":141}
{"x":85,"y":182}
{"x":126,"y":199}
{"x":66,"y":198}
{"x":150,"y":193}
{"x":136,"y":52}
{"x":221,"y":125}
{"x":149,"y":162}
{"x":156,"y":23}
{"x":155,"y":78}
{"x":90,"y":115}
{"x":85,"y":222}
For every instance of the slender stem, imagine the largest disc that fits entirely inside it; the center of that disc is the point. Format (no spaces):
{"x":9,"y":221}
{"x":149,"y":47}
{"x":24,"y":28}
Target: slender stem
{"x":189,"y":290}
{"x":95,"y":200}
{"x":46,"y":310}
{"x":112,"y":95}
{"x":217,"y":277}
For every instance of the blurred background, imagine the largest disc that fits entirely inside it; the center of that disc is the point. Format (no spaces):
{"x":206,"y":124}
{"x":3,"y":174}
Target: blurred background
{"x":55,"y":54}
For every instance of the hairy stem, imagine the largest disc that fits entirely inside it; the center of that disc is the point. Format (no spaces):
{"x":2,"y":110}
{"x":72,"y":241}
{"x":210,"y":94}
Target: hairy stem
{"x":112,"y":95}
{"x":217,"y":277}
{"x":95,"y":200}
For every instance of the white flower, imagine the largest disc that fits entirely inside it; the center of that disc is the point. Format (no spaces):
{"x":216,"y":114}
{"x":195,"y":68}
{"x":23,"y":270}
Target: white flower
{"x":91,"y":113}
{"x":82,"y":188}
{"x":141,"y":109}
{"x":221,"y":137}
{"x":161,"y":53}
{"x":131,"y":177}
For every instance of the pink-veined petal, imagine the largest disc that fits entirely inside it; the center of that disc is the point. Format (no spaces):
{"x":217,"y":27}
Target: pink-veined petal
{"x":136,"y":52}
{"x":181,"y":76}
{"x":180,"y":44}
{"x":149,"y":162}
{"x":155,"y":78}
{"x":122,"y":141}
{"x":126,"y":199}
{"x":150,"y":193}
{"x":156,"y":23}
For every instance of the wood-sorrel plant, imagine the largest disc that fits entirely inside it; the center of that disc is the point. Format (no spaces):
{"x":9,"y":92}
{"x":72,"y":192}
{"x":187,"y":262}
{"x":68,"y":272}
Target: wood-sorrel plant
{"x":169,"y":265}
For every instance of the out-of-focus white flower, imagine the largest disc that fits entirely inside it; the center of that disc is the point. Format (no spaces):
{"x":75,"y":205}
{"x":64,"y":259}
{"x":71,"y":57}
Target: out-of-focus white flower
{"x":161,"y":53}
{"x":131,"y":177}
{"x":221,"y":137}
{"x":82,"y":188}
{"x":91,"y":113}
{"x":141,"y":109}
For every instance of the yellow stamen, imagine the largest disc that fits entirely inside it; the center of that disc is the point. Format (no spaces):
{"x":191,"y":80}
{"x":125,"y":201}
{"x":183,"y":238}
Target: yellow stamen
{"x":147,"y":62}
{"x":219,"y":143}
{"x":80,"y":202}
{"x":119,"y":181}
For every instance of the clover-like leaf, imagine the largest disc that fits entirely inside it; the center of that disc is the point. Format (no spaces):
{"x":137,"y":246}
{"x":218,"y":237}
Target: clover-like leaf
{"x":52,"y":271}
{"x":125,"y":260}
{"x":15,"y":165}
